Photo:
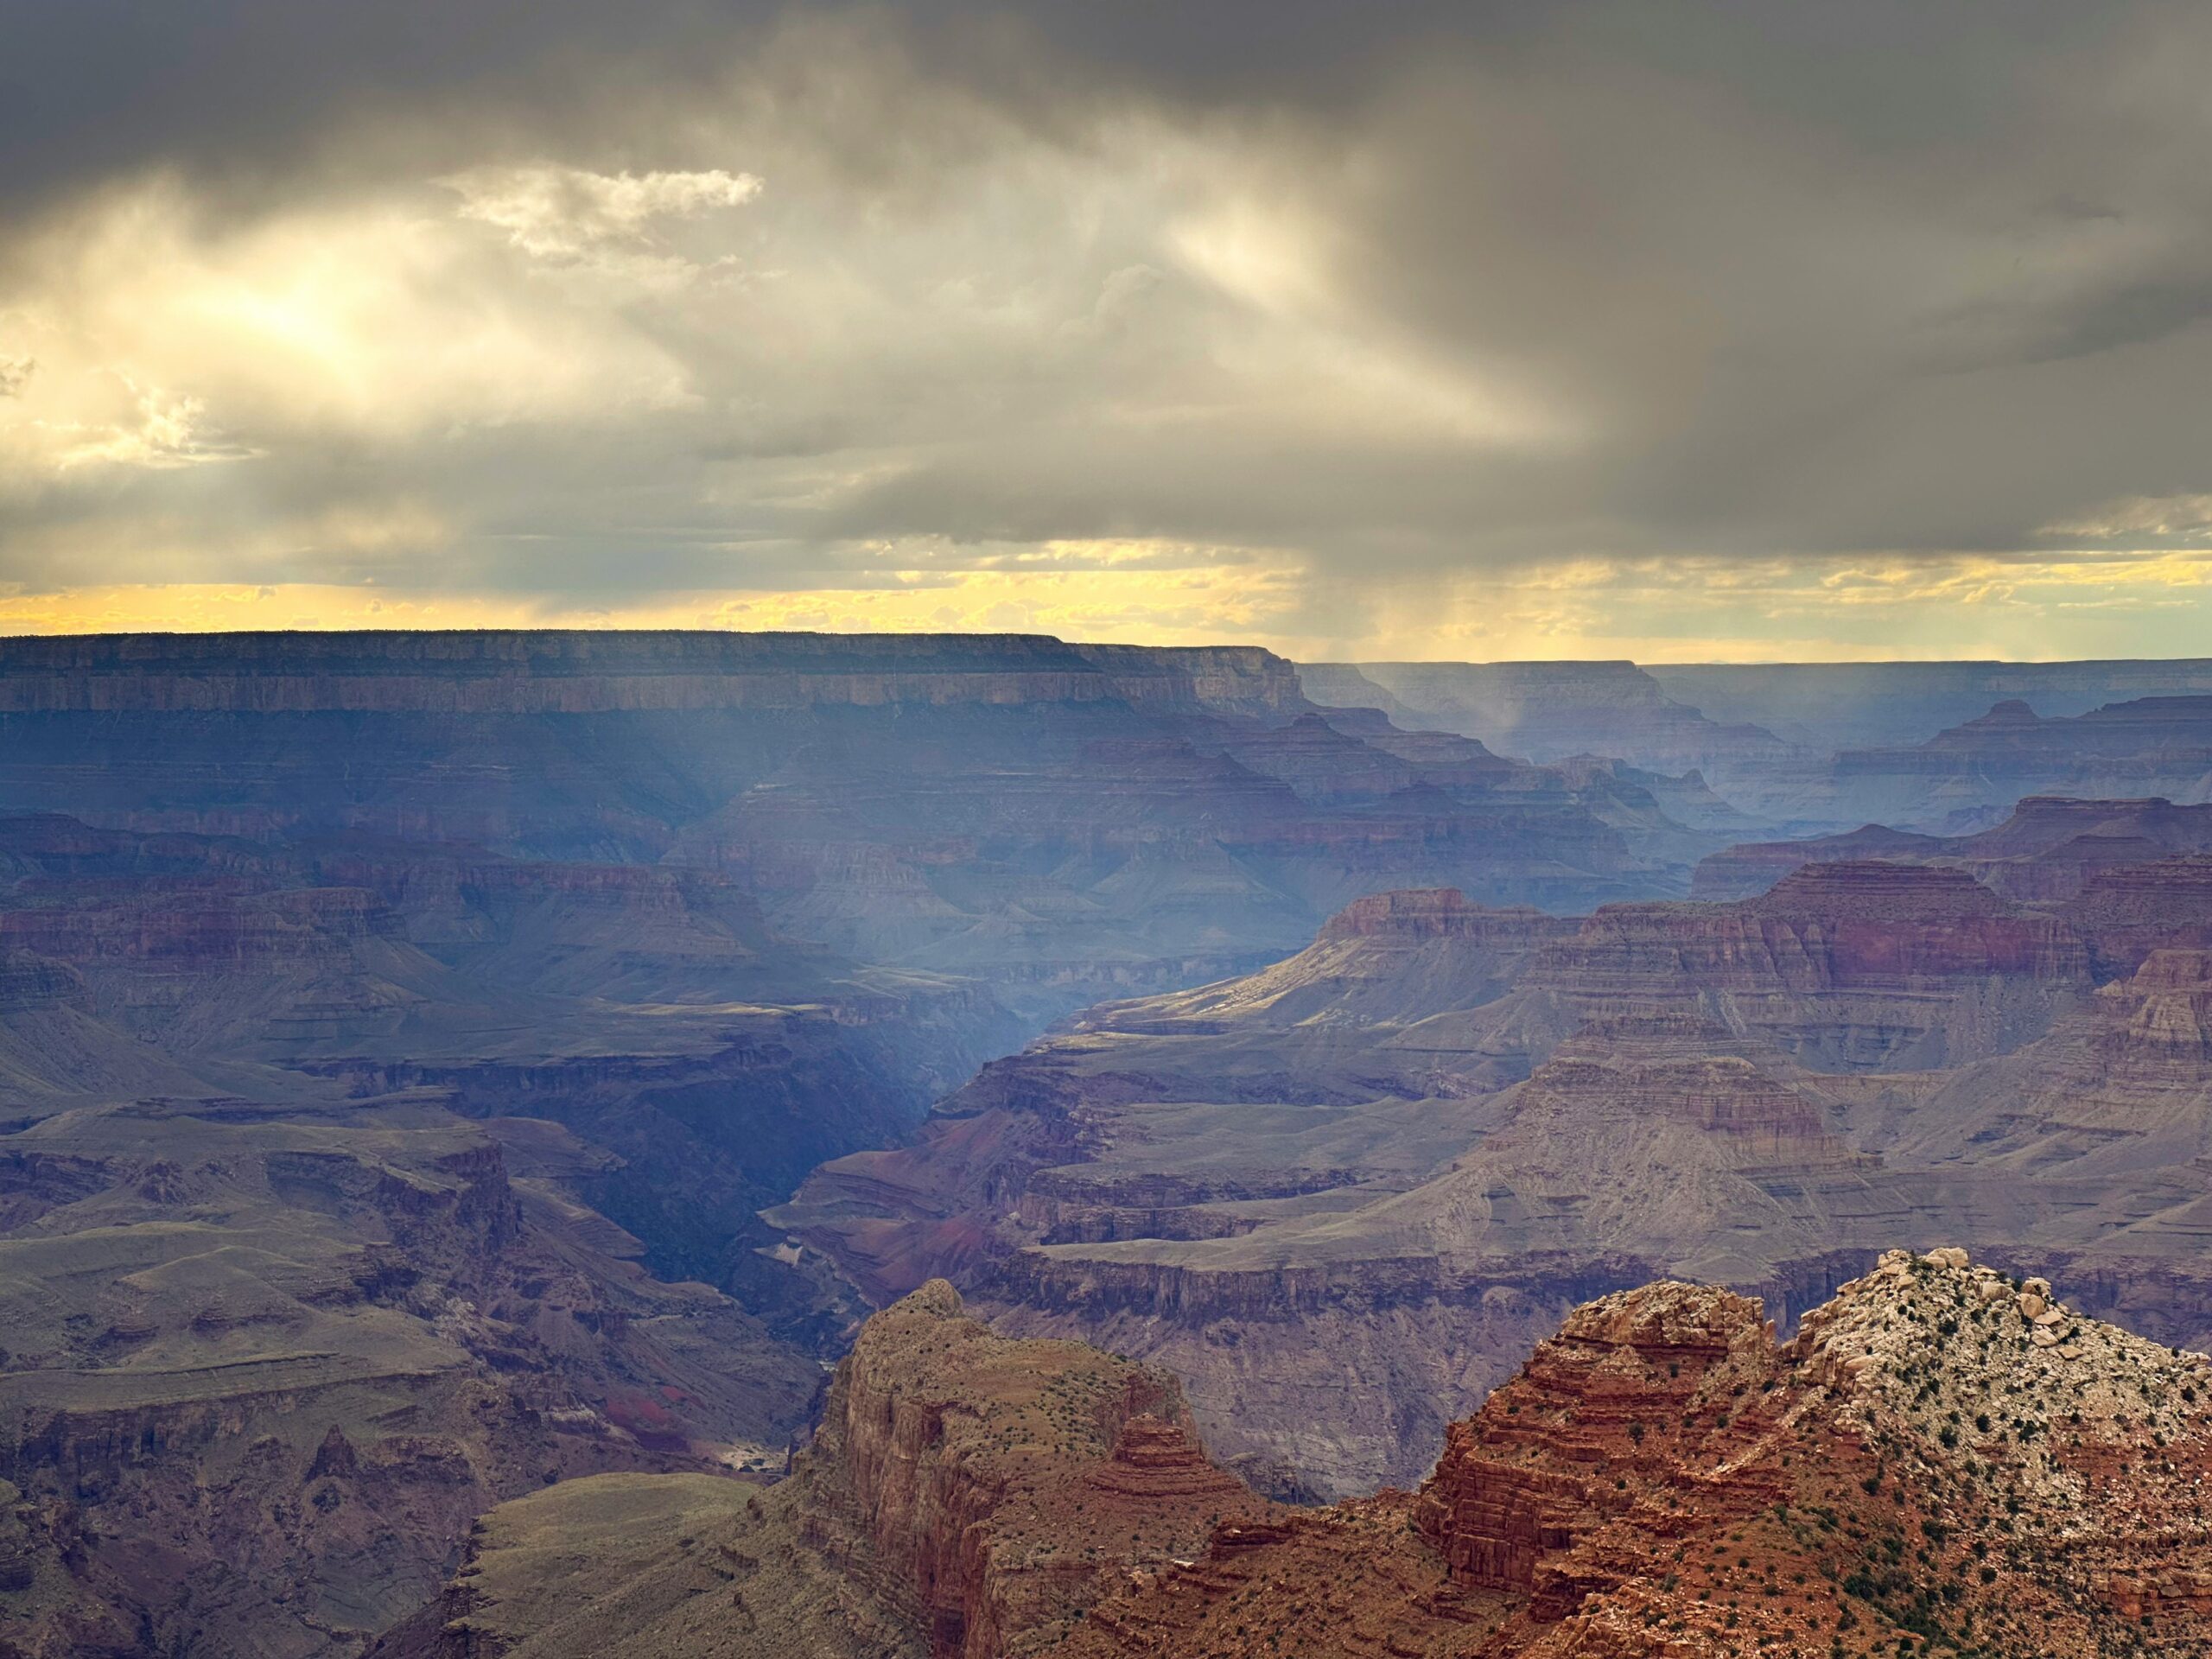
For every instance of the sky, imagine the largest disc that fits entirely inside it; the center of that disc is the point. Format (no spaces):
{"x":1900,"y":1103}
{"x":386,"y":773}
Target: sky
{"x":1720,"y":332}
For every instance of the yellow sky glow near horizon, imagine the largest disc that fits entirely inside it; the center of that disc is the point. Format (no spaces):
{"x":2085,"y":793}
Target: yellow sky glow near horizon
{"x":2159,"y":605}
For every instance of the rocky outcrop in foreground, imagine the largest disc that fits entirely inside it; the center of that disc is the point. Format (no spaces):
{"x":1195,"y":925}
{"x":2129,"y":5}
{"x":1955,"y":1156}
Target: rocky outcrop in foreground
{"x":966,"y":1497}
{"x":1943,"y":1459}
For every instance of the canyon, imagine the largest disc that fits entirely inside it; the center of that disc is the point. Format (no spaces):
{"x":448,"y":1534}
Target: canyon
{"x":2048,"y":848}
{"x":399,"y":1034}
{"x":1715,"y":709}
{"x":1938,"y":747}
{"x":1341,"y":1196}
{"x":1832,"y":705}
{"x":1943,"y":1457}
{"x":448,"y":1076}
{"x":966,"y":1495}
{"x":1554,"y":710}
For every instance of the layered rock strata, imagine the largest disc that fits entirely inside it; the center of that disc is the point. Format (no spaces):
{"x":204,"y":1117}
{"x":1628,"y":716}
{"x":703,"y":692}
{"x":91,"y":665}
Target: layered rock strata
{"x":569,"y":671}
{"x":1339,"y":1196}
{"x":2127,"y":912}
{"x":2154,"y":745}
{"x":2045,"y":852}
{"x":1943,"y":1459}
{"x":1549,"y":711}
{"x":1831,"y":705}
{"x":263,"y":1361}
{"x":965,"y":1497}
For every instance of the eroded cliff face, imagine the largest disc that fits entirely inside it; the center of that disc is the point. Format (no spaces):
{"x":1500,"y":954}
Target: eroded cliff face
{"x":1336,"y":1339}
{"x":2123,"y":1086}
{"x":1845,"y":967}
{"x":2127,"y":912}
{"x":1339,"y":1196}
{"x":1549,"y":711}
{"x":1005,"y":1507}
{"x":261,"y":1361}
{"x":1943,"y":1458}
{"x":1505,"y":1507}
{"x":966,"y":1496}
{"x":1314,"y":1030}
{"x":2044,"y":852}
{"x":2150,"y":746}
{"x":30,"y":982}
{"x":571,"y":671}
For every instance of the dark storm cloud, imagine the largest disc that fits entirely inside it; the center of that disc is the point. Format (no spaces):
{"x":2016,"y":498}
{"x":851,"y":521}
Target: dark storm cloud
{"x":240,"y":88}
{"x":237,"y":86}
{"x":564,"y":298}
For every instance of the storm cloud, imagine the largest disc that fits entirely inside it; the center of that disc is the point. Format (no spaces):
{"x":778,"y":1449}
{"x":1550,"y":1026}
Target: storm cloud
{"x":1411,"y":330}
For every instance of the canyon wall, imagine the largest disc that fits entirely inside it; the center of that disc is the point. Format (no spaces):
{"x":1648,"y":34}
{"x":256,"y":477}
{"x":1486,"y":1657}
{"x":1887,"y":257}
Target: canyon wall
{"x":965,"y":1497}
{"x":1813,"y":748}
{"x":1549,"y":711}
{"x":1943,"y":1458}
{"x":600,"y":671}
{"x":1339,"y":1195}
{"x":1831,"y":705}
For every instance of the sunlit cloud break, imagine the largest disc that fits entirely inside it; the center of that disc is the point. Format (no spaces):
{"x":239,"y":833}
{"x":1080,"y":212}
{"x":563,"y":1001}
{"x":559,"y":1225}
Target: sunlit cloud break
{"x":557,"y":211}
{"x":701,"y":315}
